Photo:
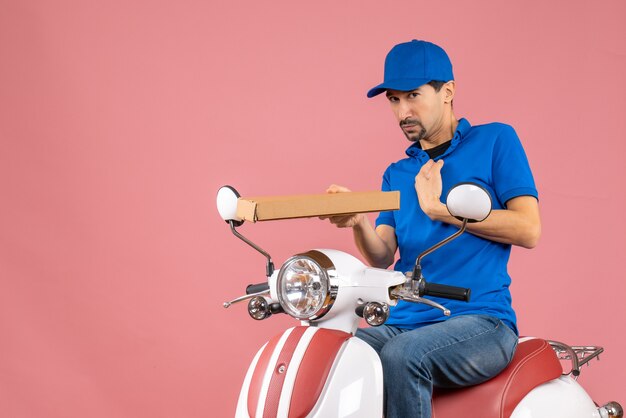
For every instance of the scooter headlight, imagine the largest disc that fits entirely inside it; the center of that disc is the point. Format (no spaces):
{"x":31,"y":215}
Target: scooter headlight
{"x":304,"y":287}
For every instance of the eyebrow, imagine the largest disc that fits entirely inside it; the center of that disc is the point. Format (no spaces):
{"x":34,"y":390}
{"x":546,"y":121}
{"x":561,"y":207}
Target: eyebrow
{"x":388,"y":94}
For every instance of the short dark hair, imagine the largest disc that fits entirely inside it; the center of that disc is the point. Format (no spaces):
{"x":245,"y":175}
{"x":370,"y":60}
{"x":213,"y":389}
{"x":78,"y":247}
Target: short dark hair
{"x":437,"y":85}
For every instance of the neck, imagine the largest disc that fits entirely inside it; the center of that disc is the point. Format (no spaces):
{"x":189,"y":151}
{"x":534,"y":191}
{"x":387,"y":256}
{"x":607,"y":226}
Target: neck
{"x":443,"y":133}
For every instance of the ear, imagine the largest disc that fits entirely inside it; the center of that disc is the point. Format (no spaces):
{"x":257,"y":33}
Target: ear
{"x":448,"y":91}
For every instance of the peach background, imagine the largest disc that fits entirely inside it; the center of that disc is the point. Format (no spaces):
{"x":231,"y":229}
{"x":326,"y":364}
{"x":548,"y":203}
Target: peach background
{"x":119,"y":120}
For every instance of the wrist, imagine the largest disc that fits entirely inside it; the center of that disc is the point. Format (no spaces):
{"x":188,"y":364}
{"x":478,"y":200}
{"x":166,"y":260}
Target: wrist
{"x":436,"y":211}
{"x":360,"y":221}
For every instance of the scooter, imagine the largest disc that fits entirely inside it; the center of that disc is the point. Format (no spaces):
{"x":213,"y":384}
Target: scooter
{"x":320,"y":370}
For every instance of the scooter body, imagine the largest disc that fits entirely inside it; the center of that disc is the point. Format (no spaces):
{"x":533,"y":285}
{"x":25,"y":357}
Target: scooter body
{"x":561,"y":397}
{"x":321,"y":370}
{"x":319,"y":375}
{"x":312,"y":371}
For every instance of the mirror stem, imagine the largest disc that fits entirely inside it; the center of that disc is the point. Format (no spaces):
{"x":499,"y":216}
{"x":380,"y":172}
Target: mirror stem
{"x":417,"y":271}
{"x":269,"y":267}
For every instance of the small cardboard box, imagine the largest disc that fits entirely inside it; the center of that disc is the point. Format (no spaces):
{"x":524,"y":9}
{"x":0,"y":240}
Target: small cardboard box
{"x":268,"y":208}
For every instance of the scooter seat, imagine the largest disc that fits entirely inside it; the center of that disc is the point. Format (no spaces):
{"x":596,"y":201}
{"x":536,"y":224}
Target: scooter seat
{"x":534,"y":363}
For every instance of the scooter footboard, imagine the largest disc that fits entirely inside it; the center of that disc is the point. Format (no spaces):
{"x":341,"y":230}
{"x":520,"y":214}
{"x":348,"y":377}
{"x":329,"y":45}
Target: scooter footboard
{"x":312,"y":372}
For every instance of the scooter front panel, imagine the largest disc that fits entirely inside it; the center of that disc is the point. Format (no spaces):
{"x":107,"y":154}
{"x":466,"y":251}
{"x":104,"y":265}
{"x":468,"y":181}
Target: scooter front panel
{"x":314,"y":372}
{"x":286,"y":361}
{"x":354,"y":388}
{"x":262,"y":374}
{"x":289,"y":374}
{"x":242,"y":402}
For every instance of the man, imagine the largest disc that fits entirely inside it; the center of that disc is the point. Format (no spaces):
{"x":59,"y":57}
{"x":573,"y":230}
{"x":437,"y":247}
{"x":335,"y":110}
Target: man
{"x":418,"y":346}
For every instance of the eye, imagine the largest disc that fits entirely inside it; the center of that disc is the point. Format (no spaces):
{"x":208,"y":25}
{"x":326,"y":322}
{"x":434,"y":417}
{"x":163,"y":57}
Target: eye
{"x":413,"y":94}
{"x":392,"y":99}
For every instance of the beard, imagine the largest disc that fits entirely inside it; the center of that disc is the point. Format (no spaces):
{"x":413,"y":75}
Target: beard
{"x":419,"y":132}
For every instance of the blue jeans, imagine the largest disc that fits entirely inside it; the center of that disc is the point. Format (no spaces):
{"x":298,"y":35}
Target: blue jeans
{"x":462,"y":351}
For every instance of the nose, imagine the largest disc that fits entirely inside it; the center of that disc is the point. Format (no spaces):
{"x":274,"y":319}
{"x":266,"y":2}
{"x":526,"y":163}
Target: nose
{"x":404,"y":110}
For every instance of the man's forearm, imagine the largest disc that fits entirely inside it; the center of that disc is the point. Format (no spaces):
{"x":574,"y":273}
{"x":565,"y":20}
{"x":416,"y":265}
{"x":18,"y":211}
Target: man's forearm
{"x":517,"y":225}
{"x":374,"y":249}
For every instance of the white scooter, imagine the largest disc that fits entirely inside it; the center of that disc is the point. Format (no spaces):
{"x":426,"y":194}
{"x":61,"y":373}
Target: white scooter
{"x":319,"y":369}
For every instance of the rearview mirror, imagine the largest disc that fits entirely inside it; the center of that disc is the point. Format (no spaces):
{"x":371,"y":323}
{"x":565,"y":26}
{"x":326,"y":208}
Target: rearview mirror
{"x":469,"y":201}
{"x":226,"y":201}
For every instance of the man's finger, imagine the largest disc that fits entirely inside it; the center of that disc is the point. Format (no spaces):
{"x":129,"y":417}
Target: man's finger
{"x":340,"y":219}
{"x":334,"y":188}
{"x":425,"y":170}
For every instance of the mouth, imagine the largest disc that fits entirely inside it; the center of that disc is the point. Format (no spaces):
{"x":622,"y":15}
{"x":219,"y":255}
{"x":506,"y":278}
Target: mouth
{"x":409,"y":124}
{"x":413,"y":129}
{"x":409,"y":127}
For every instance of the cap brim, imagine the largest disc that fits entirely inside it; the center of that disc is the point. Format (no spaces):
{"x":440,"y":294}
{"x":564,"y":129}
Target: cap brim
{"x":401,"y":85}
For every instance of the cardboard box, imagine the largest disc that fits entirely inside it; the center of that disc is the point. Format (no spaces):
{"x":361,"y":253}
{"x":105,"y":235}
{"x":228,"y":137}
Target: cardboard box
{"x":266,"y":208}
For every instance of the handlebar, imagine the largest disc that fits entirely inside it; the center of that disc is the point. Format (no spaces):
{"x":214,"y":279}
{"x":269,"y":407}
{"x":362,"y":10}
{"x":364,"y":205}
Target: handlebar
{"x":445,"y":291}
{"x":257,"y":288}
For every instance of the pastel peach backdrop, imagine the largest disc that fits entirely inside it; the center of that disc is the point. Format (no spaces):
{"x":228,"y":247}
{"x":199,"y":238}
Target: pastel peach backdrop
{"x":119,"y":120}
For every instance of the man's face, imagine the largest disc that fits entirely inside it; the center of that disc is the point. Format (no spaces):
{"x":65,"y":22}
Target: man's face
{"x":419,"y":111}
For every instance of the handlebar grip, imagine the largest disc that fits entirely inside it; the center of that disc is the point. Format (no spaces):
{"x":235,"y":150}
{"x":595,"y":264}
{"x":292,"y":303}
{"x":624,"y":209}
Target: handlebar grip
{"x":445,"y":291}
{"x":256,"y":288}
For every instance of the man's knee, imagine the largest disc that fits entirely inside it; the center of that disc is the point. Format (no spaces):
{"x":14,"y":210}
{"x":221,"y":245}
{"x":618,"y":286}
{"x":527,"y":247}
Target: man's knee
{"x":390,"y":356}
{"x":402,"y":355}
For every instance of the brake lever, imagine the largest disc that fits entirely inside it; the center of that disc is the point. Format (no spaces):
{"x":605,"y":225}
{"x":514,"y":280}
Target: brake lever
{"x":246,"y":297}
{"x":400,"y":293}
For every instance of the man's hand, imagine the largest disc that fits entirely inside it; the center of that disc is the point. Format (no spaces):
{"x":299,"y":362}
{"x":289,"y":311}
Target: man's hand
{"x":518,"y":224}
{"x":343,"y":221}
{"x":428,"y":187}
{"x":378,"y":246}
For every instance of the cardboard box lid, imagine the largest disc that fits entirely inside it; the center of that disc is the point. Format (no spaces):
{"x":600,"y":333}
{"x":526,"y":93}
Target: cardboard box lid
{"x":268,"y":208}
